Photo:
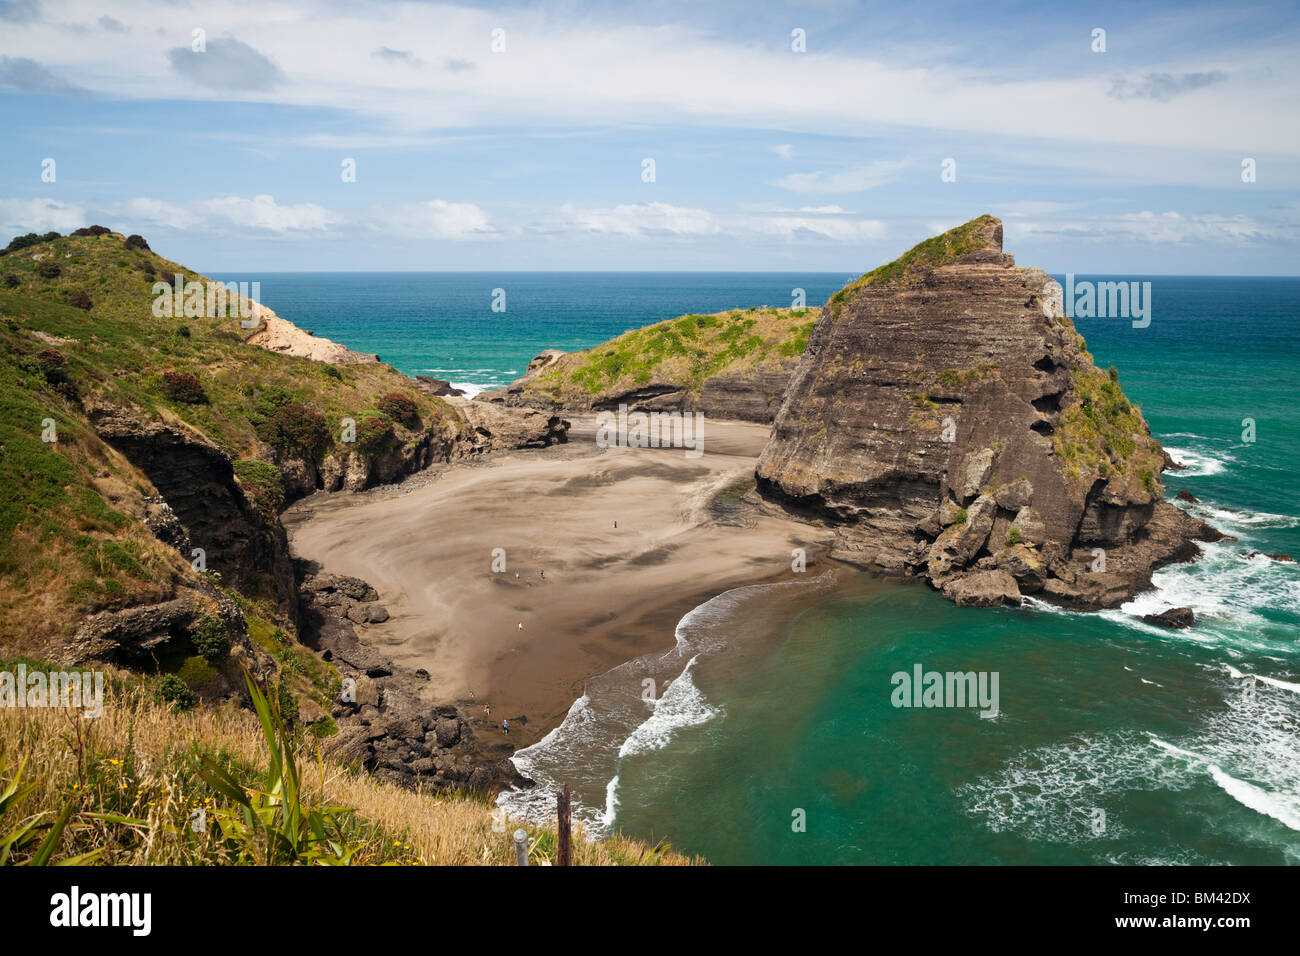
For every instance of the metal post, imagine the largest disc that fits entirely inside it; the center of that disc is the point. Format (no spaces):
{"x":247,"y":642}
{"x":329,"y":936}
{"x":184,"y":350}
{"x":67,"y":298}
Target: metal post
{"x":521,"y":847}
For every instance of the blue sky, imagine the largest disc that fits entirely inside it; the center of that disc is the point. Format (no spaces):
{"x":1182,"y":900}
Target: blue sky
{"x":531,"y":157}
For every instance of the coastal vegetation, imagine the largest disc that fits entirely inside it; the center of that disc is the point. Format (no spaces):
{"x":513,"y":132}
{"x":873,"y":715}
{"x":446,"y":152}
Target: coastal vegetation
{"x":1102,"y":434}
{"x":933,"y":252}
{"x":159,"y":782}
{"x":680,"y":353}
{"x":68,"y":545}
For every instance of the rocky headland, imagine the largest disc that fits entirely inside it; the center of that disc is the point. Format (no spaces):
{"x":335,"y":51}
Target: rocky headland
{"x":948,"y":421}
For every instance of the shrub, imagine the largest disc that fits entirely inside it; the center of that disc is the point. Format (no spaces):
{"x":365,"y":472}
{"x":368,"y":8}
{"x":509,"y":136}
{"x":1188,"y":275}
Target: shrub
{"x":80,"y":300}
{"x":184,"y":387}
{"x":961,"y":516}
{"x":11,"y":281}
{"x":49,"y":236}
{"x":92,"y":231}
{"x":1013,"y":537}
{"x":183,"y":331}
{"x":135,"y":241}
{"x":22,"y":242}
{"x":298,"y":430}
{"x":49,"y":269}
{"x":52,"y":362}
{"x":262,"y":483}
{"x":400,"y":408}
{"x":373,"y":433}
{"x":211,"y":639}
{"x":174,"y":691}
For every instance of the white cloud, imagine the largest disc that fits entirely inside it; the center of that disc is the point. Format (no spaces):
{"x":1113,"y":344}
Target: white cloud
{"x":784,"y":150}
{"x":857,"y":179}
{"x":263,"y":212}
{"x":642,"y":219}
{"x":666,"y":74}
{"x":436,"y":219}
{"x":21,"y":216}
{"x":1153,"y":227}
{"x":260,"y":214}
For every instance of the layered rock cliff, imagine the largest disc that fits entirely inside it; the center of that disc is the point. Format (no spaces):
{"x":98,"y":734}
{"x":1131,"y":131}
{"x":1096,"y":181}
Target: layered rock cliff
{"x":947,"y":417}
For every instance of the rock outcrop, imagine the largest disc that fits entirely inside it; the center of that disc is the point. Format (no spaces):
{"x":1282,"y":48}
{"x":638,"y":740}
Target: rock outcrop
{"x":385,"y":725}
{"x":281,"y":335}
{"x":947,"y":418}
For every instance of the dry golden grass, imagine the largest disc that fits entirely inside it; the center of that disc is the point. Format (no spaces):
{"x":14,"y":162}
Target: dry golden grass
{"x":139,"y":760}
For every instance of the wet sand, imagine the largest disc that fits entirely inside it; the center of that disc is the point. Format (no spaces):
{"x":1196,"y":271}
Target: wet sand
{"x":608,"y":594}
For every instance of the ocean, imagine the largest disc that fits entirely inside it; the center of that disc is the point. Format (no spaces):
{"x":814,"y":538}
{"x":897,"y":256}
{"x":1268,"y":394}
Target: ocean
{"x":776,"y":739}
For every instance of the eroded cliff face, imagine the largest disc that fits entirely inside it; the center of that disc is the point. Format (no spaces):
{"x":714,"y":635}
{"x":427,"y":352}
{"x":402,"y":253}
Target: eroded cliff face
{"x":947,"y":417}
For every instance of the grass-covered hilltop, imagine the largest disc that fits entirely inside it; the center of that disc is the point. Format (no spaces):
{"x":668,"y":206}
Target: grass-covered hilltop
{"x":146,"y":453}
{"x":733,"y":364}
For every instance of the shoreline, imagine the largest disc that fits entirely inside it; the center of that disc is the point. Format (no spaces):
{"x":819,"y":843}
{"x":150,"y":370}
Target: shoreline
{"x":609,"y":595}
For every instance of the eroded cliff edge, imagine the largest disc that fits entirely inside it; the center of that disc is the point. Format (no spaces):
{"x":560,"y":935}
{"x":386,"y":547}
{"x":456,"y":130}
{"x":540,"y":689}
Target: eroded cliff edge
{"x":947,"y":417}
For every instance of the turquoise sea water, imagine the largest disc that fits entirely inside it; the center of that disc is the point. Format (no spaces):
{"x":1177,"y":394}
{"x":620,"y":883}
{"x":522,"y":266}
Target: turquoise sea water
{"x":1114,"y":742}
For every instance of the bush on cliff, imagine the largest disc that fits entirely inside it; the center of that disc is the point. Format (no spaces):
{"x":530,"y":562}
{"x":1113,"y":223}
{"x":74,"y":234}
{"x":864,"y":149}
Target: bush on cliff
{"x":263,"y":483}
{"x":49,"y":270}
{"x":211,"y":639}
{"x":135,"y":241}
{"x":297,"y":430}
{"x":373,"y":434}
{"x":400,"y":408}
{"x":80,"y":299}
{"x":184,"y":387}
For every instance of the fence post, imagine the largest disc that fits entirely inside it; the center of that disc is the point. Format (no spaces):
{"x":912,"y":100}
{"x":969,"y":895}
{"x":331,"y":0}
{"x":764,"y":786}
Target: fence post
{"x":521,"y":847}
{"x":562,"y":852}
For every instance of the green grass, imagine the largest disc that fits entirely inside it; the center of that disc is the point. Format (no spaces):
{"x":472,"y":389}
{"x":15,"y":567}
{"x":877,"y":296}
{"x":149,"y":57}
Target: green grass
{"x":930,"y":254}
{"x":683,"y":352}
{"x":71,"y":543}
{"x":1103,"y":435}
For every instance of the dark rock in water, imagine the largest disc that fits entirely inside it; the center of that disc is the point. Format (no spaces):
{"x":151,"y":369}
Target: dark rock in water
{"x":949,"y":390}
{"x":1170,"y":464}
{"x":437,"y":386}
{"x":1175,"y":617}
{"x":1286,"y":558}
{"x":1187,"y":496}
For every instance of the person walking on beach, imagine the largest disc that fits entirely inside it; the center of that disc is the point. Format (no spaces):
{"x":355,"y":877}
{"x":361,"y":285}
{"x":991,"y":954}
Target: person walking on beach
{"x":487,"y":711}
{"x":506,"y":725}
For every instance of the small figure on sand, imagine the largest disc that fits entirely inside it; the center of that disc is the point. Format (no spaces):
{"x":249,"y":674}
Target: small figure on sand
{"x":615,"y":524}
{"x":487,"y":711}
{"x":505,"y":725}
{"x":542,"y":575}
{"x":521,"y":625}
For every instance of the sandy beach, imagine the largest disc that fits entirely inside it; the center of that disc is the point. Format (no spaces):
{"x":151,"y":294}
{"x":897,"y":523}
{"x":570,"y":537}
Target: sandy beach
{"x":588,"y":594}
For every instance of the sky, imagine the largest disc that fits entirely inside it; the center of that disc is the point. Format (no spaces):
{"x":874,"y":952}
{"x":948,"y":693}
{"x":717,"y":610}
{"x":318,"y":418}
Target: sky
{"x":825,"y":135}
